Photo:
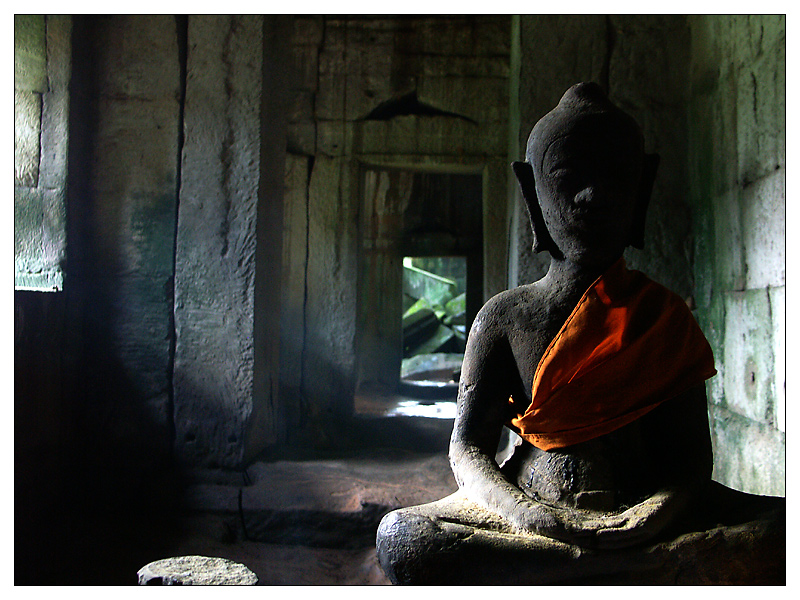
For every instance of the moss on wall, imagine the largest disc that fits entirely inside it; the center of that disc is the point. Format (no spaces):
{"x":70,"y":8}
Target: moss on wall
{"x":737,"y":181}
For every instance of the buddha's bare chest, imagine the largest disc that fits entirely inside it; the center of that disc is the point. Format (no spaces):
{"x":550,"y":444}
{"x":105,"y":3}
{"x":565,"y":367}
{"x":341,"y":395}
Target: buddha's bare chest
{"x":529,"y":341}
{"x":607,"y":473}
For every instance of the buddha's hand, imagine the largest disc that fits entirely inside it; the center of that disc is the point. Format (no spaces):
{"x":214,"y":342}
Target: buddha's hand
{"x":637,"y":524}
{"x":529,"y":516}
{"x":591,"y":529}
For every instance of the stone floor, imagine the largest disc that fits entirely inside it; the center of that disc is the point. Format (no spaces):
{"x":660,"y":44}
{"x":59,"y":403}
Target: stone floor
{"x":302,"y":522}
{"x":309,"y":522}
{"x":292,"y":522}
{"x":90,"y":518}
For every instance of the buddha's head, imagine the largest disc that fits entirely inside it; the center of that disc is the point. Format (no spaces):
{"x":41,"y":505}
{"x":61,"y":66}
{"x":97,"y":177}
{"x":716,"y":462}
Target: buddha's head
{"x":586,"y":179}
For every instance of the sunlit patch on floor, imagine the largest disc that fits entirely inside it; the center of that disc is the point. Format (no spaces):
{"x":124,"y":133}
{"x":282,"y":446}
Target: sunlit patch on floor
{"x":424,"y":408}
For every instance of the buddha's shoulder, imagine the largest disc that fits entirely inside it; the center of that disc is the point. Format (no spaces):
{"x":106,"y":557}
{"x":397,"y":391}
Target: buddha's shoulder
{"x":509,"y":306}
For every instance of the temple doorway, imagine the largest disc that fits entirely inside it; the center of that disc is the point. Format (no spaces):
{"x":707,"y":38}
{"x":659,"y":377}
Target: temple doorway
{"x":420,"y":285}
{"x":433,"y":321}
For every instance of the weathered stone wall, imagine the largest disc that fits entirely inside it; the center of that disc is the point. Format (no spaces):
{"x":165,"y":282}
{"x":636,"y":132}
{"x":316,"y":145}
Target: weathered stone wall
{"x":93,"y":432}
{"x":165,"y":278}
{"x":737,"y":162}
{"x":641,"y":61}
{"x":42,"y":411}
{"x":41,"y":76}
{"x":345,"y":69}
{"x":230,"y":238}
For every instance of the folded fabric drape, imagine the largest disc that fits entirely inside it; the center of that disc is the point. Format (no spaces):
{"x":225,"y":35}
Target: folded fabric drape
{"x":629,"y":345}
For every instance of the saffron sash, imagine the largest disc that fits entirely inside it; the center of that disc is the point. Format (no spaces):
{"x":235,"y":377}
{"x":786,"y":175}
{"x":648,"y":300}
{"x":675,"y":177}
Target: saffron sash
{"x":629,"y":345}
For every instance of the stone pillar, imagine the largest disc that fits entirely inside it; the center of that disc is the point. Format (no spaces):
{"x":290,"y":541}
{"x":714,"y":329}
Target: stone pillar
{"x":328,"y":359}
{"x":123,"y":164}
{"x":268,"y":421}
{"x":215,"y":269}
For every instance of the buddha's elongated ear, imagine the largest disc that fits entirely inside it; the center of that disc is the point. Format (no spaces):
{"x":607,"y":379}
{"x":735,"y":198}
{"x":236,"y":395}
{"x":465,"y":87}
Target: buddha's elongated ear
{"x":527,"y":184}
{"x":649,"y":168}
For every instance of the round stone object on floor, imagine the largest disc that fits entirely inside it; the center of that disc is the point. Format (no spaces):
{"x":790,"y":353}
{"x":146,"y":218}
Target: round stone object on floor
{"x":196,"y":570}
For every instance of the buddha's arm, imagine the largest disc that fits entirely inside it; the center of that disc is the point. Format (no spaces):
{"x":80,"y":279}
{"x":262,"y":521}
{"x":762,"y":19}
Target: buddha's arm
{"x":487,"y":379}
{"x":479,"y":418}
{"x":472,"y":451}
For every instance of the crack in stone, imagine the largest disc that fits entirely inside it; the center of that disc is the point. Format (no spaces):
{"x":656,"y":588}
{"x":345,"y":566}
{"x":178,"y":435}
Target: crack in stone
{"x":227,"y":155}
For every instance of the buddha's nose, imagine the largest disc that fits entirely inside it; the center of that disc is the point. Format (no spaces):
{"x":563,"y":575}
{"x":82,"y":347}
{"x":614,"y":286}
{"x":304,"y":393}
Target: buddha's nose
{"x":586,"y":198}
{"x":592,"y":196}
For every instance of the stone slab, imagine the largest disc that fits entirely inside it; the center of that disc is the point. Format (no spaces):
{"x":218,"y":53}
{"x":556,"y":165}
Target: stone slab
{"x":761,"y":111}
{"x":482,"y":99}
{"x":196,"y":570}
{"x":464,"y":66}
{"x":729,"y":259}
{"x":305,"y":60}
{"x":748,"y":455}
{"x":27,"y":130}
{"x":764,"y":231}
{"x":30,"y":55}
{"x":309,"y":30}
{"x":55,"y":103}
{"x":748,"y":360}
{"x":302,"y":138}
{"x":777,"y":301}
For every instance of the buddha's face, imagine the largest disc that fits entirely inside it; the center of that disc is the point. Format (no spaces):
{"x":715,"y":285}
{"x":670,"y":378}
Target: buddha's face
{"x":587,"y":180}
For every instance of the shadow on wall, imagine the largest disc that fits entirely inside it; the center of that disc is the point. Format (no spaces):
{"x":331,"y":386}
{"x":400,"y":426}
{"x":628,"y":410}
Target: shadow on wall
{"x":93,"y":503}
{"x":96,"y":493}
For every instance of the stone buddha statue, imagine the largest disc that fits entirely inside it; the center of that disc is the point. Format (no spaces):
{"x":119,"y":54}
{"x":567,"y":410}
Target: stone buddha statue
{"x":581,"y":429}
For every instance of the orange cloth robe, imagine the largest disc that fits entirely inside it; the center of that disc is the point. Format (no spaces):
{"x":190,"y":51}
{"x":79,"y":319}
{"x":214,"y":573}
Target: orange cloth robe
{"x":629,"y":345}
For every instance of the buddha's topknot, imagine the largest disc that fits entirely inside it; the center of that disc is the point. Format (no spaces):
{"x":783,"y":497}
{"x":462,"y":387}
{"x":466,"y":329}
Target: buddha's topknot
{"x":580,"y":100}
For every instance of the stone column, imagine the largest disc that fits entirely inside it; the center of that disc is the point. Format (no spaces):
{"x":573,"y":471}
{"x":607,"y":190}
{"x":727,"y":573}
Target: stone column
{"x":215,"y":270}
